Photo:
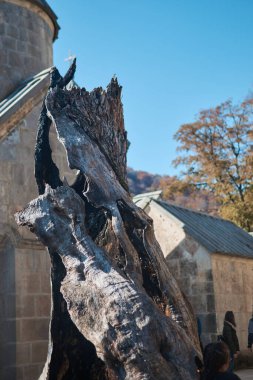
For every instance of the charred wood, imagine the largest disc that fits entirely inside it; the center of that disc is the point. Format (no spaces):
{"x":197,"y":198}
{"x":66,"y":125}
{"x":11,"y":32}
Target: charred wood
{"x":117,"y":312}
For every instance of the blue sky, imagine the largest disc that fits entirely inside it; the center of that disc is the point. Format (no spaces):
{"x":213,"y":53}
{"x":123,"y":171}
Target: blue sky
{"x":172,"y":57}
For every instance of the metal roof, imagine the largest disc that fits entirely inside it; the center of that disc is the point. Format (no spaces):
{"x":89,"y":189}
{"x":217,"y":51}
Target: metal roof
{"x":15,"y":103}
{"x":152,"y":195}
{"x":215,"y":234}
{"x":142,"y":200}
{"x":22,"y":91}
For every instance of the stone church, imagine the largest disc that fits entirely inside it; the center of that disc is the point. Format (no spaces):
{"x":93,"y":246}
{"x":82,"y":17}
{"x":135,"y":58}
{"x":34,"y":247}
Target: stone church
{"x":214,"y":277}
{"x":28,"y":29}
{"x":212,"y":260}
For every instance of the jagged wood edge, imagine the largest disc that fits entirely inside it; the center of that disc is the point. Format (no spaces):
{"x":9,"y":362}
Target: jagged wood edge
{"x":111,"y":200}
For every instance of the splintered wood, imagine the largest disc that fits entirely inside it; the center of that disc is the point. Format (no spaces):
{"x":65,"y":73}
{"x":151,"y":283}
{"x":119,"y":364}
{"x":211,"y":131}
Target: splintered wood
{"x":117,"y":312}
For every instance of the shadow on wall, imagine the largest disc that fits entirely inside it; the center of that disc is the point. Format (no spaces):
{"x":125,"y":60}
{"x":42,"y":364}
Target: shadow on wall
{"x":191,"y":266}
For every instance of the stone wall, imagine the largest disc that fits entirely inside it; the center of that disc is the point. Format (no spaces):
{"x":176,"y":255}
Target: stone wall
{"x":213,"y":283}
{"x":190,"y":264}
{"x":233,"y":284}
{"x":7,"y":310}
{"x":25,"y":306}
{"x":25,"y":264}
{"x":26,"y":36}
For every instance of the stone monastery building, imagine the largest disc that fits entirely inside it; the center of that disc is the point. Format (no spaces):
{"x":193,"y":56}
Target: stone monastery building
{"x":27,"y":31}
{"x":211,"y":258}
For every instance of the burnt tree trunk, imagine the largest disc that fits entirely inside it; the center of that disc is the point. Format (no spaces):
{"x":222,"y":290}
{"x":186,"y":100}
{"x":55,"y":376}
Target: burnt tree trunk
{"x":117,"y":312}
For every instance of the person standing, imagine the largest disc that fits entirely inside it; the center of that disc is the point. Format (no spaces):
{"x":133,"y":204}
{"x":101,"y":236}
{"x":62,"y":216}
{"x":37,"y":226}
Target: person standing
{"x":216,"y":362}
{"x":250,"y":333}
{"x":230,"y":337}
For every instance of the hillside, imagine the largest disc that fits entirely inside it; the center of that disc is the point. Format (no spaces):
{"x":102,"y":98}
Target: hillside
{"x":174,"y":190}
{"x":142,"y":182}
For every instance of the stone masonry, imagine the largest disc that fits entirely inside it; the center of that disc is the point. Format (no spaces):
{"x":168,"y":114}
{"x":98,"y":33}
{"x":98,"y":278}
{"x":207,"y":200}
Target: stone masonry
{"x":27,"y":31}
{"x":25,"y":283}
{"x":214,"y":279}
{"x":233,"y":284}
{"x":26,"y":35}
{"x":190,"y":264}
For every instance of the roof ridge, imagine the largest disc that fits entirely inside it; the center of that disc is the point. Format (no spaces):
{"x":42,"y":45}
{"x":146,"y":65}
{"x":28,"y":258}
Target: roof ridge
{"x":29,"y":92}
{"x":22,"y":85}
{"x":214,"y":233}
{"x":149,"y":194}
{"x":192,"y":210}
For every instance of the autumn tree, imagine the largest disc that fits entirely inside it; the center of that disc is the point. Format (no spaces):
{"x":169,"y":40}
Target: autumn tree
{"x":216,"y":154}
{"x":185,"y":194}
{"x":140,"y":181}
{"x":174,"y":190}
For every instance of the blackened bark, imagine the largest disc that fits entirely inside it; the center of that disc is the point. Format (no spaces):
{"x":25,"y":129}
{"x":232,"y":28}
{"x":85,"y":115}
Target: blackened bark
{"x":115,"y":303}
{"x":46,"y":172}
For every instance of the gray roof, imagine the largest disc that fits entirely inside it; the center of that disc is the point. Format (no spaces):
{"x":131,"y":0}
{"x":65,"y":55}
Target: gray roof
{"x":215,"y":234}
{"x":142,"y":200}
{"x":35,"y":85}
{"x":24,"y":89}
{"x":27,"y":89}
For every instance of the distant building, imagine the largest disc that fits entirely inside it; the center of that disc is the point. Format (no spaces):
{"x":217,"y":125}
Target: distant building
{"x":27,"y":31}
{"x":211,"y":258}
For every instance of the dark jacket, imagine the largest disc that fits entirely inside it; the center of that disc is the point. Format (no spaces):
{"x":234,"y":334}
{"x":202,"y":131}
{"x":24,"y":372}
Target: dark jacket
{"x":250,"y":326}
{"x":230,"y":337}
